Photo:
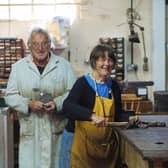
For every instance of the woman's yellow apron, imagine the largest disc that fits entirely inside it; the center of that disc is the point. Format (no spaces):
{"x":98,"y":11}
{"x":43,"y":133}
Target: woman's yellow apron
{"x":95,"y":147}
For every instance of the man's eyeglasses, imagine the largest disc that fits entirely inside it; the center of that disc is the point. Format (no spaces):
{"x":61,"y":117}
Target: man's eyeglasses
{"x":37,"y":45}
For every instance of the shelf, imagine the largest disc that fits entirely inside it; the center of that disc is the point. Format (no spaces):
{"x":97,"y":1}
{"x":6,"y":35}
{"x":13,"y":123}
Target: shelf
{"x":11,"y":50}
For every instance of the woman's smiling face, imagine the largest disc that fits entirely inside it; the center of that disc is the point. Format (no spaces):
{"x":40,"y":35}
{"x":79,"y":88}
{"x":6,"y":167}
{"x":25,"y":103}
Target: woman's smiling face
{"x":104,"y":65}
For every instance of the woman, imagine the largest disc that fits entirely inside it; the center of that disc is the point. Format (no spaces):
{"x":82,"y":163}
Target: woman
{"x":94,"y":101}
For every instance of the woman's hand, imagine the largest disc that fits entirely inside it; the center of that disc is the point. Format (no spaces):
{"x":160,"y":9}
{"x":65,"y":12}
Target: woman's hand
{"x":98,"y":120}
{"x":134,"y":119}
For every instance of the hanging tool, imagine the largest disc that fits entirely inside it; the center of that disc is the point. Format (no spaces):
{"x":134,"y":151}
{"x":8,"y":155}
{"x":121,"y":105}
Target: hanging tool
{"x":145,"y":59}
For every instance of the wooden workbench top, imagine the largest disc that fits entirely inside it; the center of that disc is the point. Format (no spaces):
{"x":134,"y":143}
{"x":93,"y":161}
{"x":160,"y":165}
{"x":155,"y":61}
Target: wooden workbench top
{"x":152,"y":142}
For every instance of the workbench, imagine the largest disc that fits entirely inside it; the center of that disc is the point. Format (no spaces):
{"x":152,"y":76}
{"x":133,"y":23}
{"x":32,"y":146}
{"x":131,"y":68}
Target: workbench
{"x":145,"y":147}
{"x":6,"y":139}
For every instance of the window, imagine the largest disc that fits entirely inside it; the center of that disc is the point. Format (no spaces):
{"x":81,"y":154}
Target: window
{"x":19,"y":1}
{"x":4,"y":12}
{"x":37,"y":9}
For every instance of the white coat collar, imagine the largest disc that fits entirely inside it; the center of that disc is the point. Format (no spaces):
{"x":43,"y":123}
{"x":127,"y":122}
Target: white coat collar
{"x":52,"y":64}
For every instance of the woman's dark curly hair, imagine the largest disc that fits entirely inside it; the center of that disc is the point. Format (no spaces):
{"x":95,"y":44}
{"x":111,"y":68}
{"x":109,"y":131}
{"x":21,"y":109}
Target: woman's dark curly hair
{"x":101,"y":51}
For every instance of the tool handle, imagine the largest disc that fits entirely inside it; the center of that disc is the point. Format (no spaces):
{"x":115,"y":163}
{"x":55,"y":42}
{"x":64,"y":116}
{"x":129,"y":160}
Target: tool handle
{"x":116,"y":124}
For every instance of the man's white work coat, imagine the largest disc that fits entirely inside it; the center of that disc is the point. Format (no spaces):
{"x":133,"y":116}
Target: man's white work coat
{"x":40,"y":136}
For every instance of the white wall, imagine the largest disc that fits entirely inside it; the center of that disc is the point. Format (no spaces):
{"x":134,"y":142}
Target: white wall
{"x":95,"y":19}
{"x":18,"y":29}
{"x":100,"y":18}
{"x":166,"y":46}
{"x":158,"y":54}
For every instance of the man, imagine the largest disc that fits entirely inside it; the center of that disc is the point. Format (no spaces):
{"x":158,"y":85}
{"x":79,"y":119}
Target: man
{"x":37,"y":87}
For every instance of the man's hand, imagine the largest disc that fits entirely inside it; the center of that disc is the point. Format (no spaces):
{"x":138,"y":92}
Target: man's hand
{"x":49,"y":107}
{"x":36,"y":107}
{"x":39,"y":107}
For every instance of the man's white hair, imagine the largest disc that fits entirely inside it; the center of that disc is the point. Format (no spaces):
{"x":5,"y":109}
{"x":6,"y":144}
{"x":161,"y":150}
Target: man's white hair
{"x":37,"y":30}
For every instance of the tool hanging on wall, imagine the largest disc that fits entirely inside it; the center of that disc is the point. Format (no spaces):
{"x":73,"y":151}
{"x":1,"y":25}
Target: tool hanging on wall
{"x":133,"y":38}
{"x":145,"y":59}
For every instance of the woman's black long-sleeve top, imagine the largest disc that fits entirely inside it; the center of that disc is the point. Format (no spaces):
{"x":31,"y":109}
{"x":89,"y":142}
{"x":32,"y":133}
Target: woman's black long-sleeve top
{"x":80,"y":102}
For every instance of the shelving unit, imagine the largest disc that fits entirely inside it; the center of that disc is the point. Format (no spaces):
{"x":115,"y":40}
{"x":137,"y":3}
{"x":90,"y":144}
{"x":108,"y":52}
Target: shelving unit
{"x":11,"y":50}
{"x":117,"y":44}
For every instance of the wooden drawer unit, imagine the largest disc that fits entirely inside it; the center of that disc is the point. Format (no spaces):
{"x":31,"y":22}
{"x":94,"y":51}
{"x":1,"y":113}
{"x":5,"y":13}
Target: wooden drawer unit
{"x":11,"y":50}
